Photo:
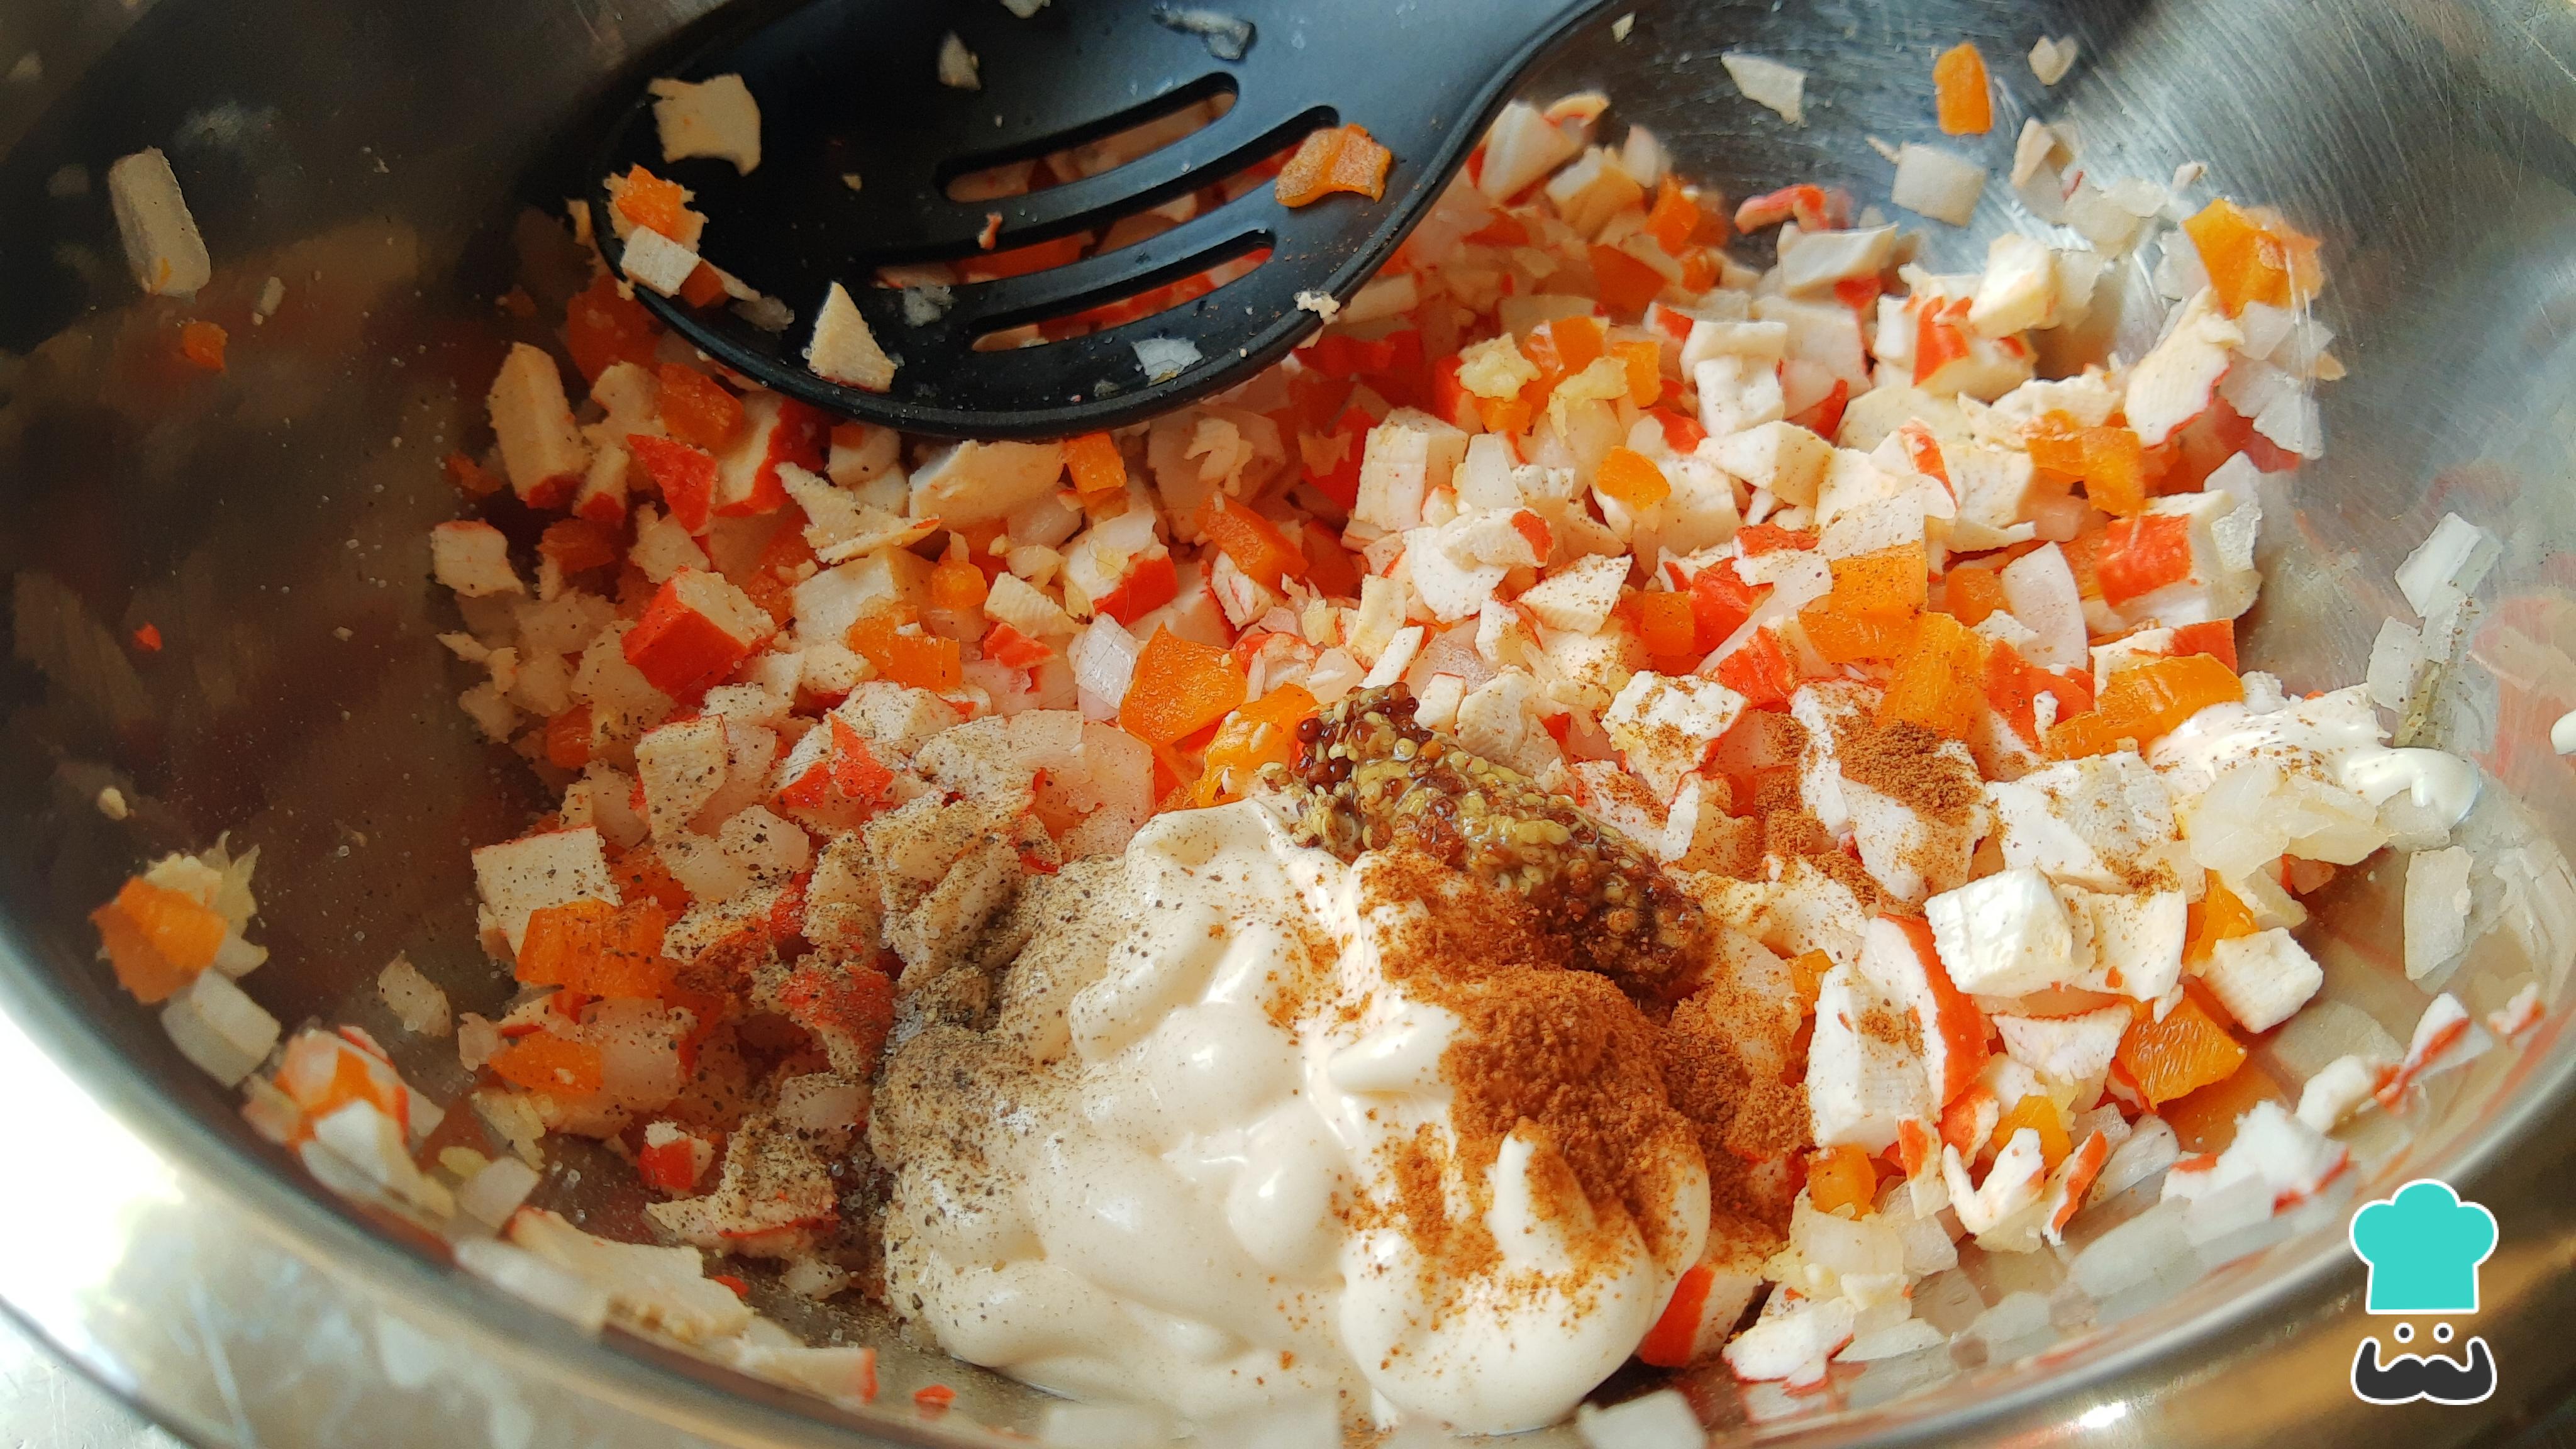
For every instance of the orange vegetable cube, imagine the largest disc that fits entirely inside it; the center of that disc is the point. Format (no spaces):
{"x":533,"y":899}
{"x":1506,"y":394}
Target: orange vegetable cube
{"x":1337,"y":158}
{"x":578,"y":545}
{"x":957,"y":584}
{"x":704,"y":286}
{"x":2040,"y":1115}
{"x":1562,"y":347}
{"x":1098,"y":471}
{"x":1965,"y":106}
{"x":1254,"y":543}
{"x":1262,"y":732}
{"x":915,"y":660}
{"x":2251,"y":255}
{"x":2215,"y":638}
{"x":202,"y":345}
{"x":1940,"y":681}
{"x":2144,"y":702}
{"x":1625,"y":284}
{"x":654,"y":204}
{"x":1632,"y":478}
{"x":1645,"y":363}
{"x":569,"y":738}
{"x":2219,"y":915}
{"x":2185,"y":1051}
{"x":1970,"y":594}
{"x":1841,"y":1177}
{"x":2110,"y":462}
{"x":2204,"y":1120}
{"x":1673,"y":220}
{"x":550,"y":1064}
{"x":602,"y":327}
{"x":1178,"y":689}
{"x":697,"y":409}
{"x":1845,"y":638}
{"x":157,"y":939}
{"x":1890,"y":581}
{"x":1667,"y":626}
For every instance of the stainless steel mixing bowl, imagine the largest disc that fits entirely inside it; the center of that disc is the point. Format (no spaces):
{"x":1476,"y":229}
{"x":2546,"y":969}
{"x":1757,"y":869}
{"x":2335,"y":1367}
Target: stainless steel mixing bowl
{"x":380,"y":159}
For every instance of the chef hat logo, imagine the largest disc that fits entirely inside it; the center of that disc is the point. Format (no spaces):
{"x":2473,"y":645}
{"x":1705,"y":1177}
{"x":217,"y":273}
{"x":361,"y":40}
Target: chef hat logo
{"x":2423,"y":1245}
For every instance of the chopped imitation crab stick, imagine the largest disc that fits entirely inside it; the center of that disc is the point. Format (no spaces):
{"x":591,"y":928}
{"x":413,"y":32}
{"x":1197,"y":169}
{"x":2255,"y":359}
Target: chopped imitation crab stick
{"x":672,"y":1160}
{"x":157,"y":939}
{"x":1959,"y":89}
{"x":1149,"y":583}
{"x":2041,"y":1115}
{"x":2444,"y":1024}
{"x":1899,"y":951}
{"x":1812,"y":207}
{"x":1178,"y":689}
{"x":1337,"y":158}
{"x":698,"y":627}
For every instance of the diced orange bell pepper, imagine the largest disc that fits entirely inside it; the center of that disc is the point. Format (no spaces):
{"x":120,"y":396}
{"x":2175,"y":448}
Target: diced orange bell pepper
{"x":1674,"y":218}
{"x":1666,"y":626}
{"x":703,"y":287}
{"x":2215,"y":638}
{"x":916,"y":660}
{"x":596,"y":949}
{"x":2144,"y":702}
{"x":157,"y":939}
{"x":1632,"y":478}
{"x":201,"y":343}
{"x":1847,"y":638}
{"x":578,"y":545}
{"x":1626,"y":284}
{"x":1959,"y":87}
{"x":2185,"y":1051}
{"x":2110,"y":461}
{"x":1337,"y":158}
{"x":1840,"y":1177}
{"x":2040,"y":1115}
{"x":1971,"y":594}
{"x":471,"y":478}
{"x":1561,"y":347}
{"x":1262,"y":732}
{"x":1178,"y":689}
{"x":1254,"y":543}
{"x":602,"y":327}
{"x":957,"y":584}
{"x":1940,"y":681}
{"x":2219,"y":915}
{"x":1891,"y":581}
{"x":1645,"y":363}
{"x":1098,"y":470}
{"x":541,"y":1062}
{"x":1329,"y":566}
{"x":697,"y":409}
{"x":2204,"y":1120}
{"x":653,"y":203}
{"x":2253,"y":256}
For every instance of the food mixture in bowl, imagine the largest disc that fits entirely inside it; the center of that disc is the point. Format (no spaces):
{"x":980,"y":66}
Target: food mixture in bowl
{"x":1620,"y":803}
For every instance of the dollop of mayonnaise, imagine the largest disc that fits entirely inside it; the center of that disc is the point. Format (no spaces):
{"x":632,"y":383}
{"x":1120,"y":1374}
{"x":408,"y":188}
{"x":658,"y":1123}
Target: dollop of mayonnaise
{"x":2338,"y":730}
{"x":1175,"y":1166}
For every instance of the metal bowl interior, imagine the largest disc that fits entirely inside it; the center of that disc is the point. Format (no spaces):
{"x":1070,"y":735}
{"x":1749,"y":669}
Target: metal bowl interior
{"x":394,"y":167}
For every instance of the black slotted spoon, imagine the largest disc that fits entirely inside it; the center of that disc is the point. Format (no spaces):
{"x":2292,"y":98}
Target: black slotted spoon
{"x":849,"y":87}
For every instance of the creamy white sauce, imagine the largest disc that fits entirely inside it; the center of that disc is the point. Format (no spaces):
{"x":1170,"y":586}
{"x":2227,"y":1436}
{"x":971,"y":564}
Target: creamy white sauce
{"x":2339,"y":730}
{"x":1160,"y":1212}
